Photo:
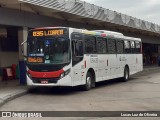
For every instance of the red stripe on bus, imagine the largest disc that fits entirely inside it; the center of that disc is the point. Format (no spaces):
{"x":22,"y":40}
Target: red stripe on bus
{"x":53,"y":74}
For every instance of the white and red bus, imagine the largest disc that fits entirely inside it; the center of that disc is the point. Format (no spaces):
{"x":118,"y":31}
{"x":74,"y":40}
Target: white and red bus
{"x":64,"y":56}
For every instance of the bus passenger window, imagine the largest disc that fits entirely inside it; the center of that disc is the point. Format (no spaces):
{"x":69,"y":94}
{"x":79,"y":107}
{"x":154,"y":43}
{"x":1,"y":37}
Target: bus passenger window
{"x":111,"y":46}
{"x":138,"y":47}
{"x":120,"y":47}
{"x":133,"y":46}
{"x":127,"y":46}
{"x":90,"y":44}
{"x":101,"y":45}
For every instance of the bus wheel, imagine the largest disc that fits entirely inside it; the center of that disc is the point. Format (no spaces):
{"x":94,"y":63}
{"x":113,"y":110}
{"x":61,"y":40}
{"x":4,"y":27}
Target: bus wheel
{"x":89,"y":80}
{"x":126,"y":75}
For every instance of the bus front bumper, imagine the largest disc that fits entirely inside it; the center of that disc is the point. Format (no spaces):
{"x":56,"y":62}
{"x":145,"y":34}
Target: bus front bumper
{"x":65,"y":81}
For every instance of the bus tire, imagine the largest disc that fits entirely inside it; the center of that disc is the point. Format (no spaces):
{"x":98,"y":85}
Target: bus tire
{"x":126,"y":74}
{"x":89,"y":80}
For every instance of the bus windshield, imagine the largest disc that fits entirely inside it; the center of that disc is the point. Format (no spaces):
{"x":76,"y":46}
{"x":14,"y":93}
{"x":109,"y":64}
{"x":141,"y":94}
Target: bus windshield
{"x":48,"y":50}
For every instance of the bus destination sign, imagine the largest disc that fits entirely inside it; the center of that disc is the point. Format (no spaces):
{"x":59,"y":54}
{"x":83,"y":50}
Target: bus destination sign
{"x":42,"y":33}
{"x":35,"y":60}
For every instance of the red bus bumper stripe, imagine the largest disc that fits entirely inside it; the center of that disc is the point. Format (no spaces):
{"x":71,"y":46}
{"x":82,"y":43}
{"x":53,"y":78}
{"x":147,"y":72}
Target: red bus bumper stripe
{"x":54,"y":74}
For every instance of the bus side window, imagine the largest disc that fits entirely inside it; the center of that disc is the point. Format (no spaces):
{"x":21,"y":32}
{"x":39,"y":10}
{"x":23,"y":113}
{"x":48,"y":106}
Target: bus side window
{"x":138,"y":47}
{"x":133,"y":47}
{"x":120,"y":46}
{"x":127,"y":46}
{"x":101,"y":45}
{"x":111,"y":45}
{"x":90,"y":44}
{"x":106,"y":39}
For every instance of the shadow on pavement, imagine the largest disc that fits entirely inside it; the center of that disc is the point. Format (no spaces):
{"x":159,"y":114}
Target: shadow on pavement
{"x":73,"y":90}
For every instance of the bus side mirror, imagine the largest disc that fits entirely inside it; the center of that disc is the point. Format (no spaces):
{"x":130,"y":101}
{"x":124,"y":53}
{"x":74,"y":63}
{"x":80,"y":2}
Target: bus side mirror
{"x":24,"y":48}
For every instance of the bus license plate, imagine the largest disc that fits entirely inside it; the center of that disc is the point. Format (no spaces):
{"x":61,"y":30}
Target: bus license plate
{"x":44,"y":81}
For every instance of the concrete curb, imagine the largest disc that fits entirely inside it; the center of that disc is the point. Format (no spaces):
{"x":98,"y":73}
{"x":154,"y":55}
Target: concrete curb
{"x":12,"y":97}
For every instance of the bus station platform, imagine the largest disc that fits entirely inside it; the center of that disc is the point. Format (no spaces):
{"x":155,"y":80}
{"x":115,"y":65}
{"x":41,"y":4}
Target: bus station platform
{"x":12,"y":89}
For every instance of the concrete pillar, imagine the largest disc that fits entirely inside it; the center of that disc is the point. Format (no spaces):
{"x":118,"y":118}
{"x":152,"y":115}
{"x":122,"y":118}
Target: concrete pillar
{"x":22,"y":36}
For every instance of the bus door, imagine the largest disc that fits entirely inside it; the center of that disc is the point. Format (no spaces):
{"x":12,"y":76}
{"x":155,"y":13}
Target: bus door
{"x":120,"y":57}
{"x":77,"y":57}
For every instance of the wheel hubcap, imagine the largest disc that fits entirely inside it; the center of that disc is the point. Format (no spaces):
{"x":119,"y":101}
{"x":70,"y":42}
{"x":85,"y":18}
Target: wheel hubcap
{"x":88,"y":81}
{"x":126,"y":75}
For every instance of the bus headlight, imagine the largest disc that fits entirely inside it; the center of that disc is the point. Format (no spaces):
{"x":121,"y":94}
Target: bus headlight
{"x":29,"y":75}
{"x":62,"y":75}
{"x":65,"y":73}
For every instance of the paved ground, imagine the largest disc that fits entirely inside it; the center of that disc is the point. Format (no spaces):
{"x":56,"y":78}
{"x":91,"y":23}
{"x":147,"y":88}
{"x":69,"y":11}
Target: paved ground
{"x":141,"y":93}
{"x":11,"y":89}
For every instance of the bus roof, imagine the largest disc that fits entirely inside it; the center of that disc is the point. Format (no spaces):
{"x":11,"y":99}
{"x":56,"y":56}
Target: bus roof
{"x":132,"y":38}
{"x":109,"y":32}
{"x":47,"y":28}
{"x":128,"y":38}
{"x":95,"y":32}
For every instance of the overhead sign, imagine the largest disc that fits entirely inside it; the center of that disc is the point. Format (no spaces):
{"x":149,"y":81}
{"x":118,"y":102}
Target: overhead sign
{"x":42,"y":33}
